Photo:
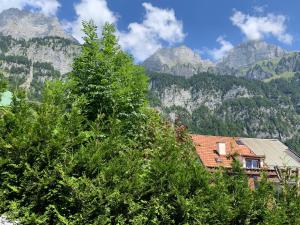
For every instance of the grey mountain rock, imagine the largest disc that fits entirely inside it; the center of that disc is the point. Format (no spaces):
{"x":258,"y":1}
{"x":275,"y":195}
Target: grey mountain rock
{"x":180,"y":61}
{"x":290,"y":62}
{"x":257,"y":72}
{"x":57,"y":51}
{"x":282,"y":67}
{"x":251,"y":52}
{"x":34,"y":48}
{"x":30,"y":63}
{"x":241,"y":60}
{"x":26,"y":25}
{"x":191,"y":100}
{"x":204,"y":103}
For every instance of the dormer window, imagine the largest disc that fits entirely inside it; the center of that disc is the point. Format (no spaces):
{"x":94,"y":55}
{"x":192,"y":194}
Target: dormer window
{"x":239,"y":142}
{"x":252,"y":163}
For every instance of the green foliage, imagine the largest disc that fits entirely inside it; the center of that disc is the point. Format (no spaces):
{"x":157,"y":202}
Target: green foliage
{"x":55,"y":42}
{"x":6,"y":42}
{"x":61,"y":43}
{"x":294,"y":144}
{"x":3,"y":83}
{"x":93,"y":152}
{"x":15,"y":59}
{"x":205,"y":122}
{"x":106,"y":77}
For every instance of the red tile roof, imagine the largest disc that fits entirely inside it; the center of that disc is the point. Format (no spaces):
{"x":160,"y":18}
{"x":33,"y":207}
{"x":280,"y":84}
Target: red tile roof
{"x":206,"y":147}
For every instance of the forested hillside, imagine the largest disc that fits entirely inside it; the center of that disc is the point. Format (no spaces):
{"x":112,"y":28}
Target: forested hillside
{"x":227,"y":105}
{"x":93,"y":152}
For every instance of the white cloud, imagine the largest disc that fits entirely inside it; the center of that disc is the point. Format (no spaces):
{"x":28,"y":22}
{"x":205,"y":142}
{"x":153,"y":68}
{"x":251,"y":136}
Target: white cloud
{"x":219,"y":53}
{"x":48,"y":7}
{"x":259,"y":8}
{"x":158,"y":26}
{"x":96,"y":10}
{"x":257,"y":27}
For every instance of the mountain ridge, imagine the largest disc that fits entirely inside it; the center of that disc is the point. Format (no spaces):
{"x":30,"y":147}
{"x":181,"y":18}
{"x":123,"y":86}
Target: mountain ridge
{"x":252,"y":59}
{"x":177,"y":61}
{"x":244,"y":60}
{"x":250,"y":52}
{"x":22,"y":24}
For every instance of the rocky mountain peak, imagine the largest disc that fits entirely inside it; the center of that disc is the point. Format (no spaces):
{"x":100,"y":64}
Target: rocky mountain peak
{"x":179,"y":60}
{"x":178,"y":55}
{"x":21,"y":24}
{"x":251,"y":52}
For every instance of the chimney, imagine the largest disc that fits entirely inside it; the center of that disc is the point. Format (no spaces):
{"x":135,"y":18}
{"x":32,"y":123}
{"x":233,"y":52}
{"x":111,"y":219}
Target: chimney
{"x":221,"y":148}
{"x":262,"y":163}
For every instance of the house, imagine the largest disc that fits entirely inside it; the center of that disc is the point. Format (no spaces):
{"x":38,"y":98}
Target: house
{"x":256,"y":155}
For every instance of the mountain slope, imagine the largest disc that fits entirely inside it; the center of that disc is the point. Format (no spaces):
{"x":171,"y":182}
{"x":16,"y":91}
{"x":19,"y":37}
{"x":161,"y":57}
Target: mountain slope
{"x":252,"y":60}
{"x":26,"y":25}
{"x":243,"y":60}
{"x":30,"y":63}
{"x":177,"y":61}
{"x":251,"y":52}
{"x":34,"y":48}
{"x":227,"y":105}
{"x":284,"y":67}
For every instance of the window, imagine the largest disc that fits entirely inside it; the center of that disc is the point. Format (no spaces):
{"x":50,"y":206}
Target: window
{"x":252,"y":163}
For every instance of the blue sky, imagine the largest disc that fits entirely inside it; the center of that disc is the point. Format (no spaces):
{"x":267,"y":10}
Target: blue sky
{"x":210,"y":27}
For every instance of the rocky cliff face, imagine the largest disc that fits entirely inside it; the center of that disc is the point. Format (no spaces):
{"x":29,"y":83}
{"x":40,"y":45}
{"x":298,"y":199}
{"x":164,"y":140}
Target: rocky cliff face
{"x":244,"y":60}
{"x":26,"y":25}
{"x":249,"y":53}
{"x":180,"y":61}
{"x":34,"y":48}
{"x":260,"y":61}
{"x":211,"y":104}
{"x":190,"y":99}
{"x":276,"y":68}
{"x":30,"y":63}
{"x":290,"y":62}
{"x":54,"y":50}
{"x":258,"y":72}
